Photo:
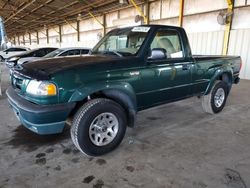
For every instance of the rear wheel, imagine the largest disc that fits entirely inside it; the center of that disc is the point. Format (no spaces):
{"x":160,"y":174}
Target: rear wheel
{"x":98,"y":127}
{"x":215,"y":101}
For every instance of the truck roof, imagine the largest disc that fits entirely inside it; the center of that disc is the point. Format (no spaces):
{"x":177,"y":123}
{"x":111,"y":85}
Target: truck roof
{"x":154,"y":26}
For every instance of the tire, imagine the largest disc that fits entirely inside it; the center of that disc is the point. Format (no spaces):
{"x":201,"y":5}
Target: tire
{"x":98,"y":127}
{"x":214,"y":102}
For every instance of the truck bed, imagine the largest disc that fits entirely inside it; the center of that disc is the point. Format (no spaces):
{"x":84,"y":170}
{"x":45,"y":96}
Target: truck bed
{"x":213,"y":57}
{"x":212,"y":62}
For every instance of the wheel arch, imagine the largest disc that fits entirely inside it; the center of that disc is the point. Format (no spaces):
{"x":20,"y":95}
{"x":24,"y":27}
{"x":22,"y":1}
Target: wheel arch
{"x":122,"y":93}
{"x":225,"y":75}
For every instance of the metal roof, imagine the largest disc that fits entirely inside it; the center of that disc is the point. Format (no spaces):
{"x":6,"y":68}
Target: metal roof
{"x":22,"y":16}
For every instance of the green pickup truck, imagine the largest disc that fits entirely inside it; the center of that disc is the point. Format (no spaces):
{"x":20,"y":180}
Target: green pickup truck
{"x":129,"y":70}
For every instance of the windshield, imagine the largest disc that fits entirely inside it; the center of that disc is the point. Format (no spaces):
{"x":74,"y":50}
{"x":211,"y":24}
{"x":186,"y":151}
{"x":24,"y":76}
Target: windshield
{"x":122,"y":42}
{"x":54,"y":53}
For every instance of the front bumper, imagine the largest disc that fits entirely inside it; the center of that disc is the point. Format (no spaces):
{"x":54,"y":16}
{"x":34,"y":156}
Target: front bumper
{"x":10,"y":64}
{"x":41,"y":119}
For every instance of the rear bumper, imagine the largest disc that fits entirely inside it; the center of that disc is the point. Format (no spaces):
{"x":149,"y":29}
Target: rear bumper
{"x":41,"y":119}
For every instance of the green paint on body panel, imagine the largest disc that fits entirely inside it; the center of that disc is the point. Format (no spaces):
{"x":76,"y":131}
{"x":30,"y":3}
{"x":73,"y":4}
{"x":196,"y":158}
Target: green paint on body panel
{"x":128,"y":66}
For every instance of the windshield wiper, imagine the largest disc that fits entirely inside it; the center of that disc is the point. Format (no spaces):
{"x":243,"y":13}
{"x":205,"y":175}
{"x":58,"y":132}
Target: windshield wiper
{"x":112,"y":52}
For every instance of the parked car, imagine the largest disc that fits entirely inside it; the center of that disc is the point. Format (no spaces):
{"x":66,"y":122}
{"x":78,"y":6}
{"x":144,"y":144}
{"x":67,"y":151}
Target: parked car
{"x":28,"y":56}
{"x":60,"y":53}
{"x":129,"y":70}
{"x":11,"y":52}
{"x":68,"y":52}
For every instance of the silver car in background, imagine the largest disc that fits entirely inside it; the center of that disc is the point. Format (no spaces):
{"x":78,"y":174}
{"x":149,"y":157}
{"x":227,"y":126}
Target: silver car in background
{"x":61,"y":52}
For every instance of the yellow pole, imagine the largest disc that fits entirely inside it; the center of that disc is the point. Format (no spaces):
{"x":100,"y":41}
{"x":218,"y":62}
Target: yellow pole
{"x":181,"y":13}
{"x":140,"y":11}
{"x":228,"y":27}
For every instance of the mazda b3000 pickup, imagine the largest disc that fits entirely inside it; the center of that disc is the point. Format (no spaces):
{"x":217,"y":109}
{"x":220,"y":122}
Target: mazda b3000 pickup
{"x":129,"y":70}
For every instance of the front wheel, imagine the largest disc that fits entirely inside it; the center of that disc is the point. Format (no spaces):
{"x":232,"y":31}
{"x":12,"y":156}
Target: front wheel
{"x":98,"y":127}
{"x":215,"y":101}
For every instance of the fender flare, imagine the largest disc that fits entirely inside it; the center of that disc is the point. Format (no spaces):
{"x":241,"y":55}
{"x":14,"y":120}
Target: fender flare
{"x":121,"y":92}
{"x":218,"y":73}
{"x":128,"y":102}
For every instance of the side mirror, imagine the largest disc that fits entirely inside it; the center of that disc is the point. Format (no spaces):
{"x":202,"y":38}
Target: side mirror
{"x":158,"y":54}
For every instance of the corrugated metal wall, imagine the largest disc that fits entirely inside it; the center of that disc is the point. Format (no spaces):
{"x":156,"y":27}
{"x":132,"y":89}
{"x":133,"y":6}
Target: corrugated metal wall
{"x":239,"y":44}
{"x":206,"y":43}
{"x":211,"y":43}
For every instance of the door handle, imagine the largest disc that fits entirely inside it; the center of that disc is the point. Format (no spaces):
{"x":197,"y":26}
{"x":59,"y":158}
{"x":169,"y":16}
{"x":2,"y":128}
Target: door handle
{"x":185,"y":67}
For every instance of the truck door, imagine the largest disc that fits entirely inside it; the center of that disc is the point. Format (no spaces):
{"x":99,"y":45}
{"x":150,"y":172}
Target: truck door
{"x":168,"y":78}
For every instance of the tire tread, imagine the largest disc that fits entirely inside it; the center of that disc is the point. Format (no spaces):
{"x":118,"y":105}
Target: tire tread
{"x":77,"y":118}
{"x":207,"y":100}
{"x":84,"y":112}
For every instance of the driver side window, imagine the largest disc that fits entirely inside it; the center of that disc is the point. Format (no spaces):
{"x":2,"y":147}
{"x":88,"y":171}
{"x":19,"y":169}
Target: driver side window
{"x":168,"y":41}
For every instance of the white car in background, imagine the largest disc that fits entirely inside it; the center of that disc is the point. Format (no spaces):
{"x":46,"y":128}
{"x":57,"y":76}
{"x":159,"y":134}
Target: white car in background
{"x":11,"y":52}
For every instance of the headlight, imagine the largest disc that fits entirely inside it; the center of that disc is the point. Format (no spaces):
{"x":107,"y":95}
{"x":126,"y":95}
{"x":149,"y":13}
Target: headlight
{"x":14,"y":59}
{"x":19,"y":63}
{"x":10,"y":64}
{"x":40,"y":88}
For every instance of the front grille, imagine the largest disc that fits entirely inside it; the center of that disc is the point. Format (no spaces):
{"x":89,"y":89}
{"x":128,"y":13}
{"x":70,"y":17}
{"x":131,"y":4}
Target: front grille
{"x":17,"y":81}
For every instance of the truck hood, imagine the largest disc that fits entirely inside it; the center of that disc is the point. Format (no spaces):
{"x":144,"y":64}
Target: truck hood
{"x":43,"y":69}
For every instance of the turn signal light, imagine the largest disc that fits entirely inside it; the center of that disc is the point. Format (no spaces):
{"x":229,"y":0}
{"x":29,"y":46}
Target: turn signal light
{"x":51,"y":89}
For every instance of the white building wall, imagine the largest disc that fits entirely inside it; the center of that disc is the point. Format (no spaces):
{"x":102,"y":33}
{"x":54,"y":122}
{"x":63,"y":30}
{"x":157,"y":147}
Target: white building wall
{"x":240,"y":45}
{"x":200,"y":6}
{"x":206,"y":43}
{"x":26,"y":39}
{"x":170,"y":8}
{"x":33,"y":39}
{"x":202,"y":23}
{"x":90,"y":32}
{"x":110,"y":17}
{"x":54,"y":39}
{"x":241,"y":18}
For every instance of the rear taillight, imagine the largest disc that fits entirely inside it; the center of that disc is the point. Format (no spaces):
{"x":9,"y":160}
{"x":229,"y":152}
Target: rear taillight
{"x":240,"y":64}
